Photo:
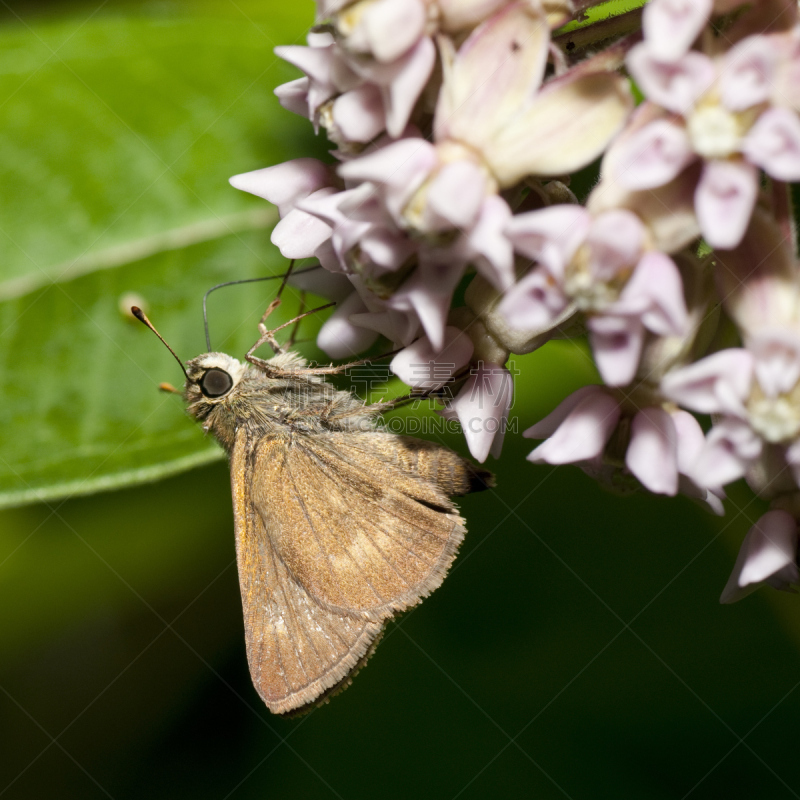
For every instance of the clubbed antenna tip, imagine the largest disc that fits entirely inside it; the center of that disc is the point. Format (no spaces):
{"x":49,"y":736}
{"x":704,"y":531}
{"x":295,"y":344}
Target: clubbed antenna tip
{"x":142,"y":317}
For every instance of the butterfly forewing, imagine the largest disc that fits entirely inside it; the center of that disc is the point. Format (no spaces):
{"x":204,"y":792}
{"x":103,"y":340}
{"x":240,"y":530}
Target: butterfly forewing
{"x":297,"y":650}
{"x":381,"y":540}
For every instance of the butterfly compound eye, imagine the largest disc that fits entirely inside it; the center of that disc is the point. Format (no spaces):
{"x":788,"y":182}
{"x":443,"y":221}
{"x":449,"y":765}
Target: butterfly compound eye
{"x":215,"y":382}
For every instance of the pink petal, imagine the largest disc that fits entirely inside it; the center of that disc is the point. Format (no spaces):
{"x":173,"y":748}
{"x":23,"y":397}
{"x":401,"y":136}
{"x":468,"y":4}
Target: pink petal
{"x":490,"y":248}
{"x":421,"y":367}
{"x":758,"y":278}
{"x":299,"y":234}
{"x":652,"y":453}
{"x":730,"y":448}
{"x":358,"y":114}
{"x":671,"y":26}
{"x":386,"y":248}
{"x":668,"y":211}
{"x":399,"y":327}
{"x":657,"y":289}
{"x":329,"y":259}
{"x":777,"y":360}
{"x":400,"y":168}
{"x":293,"y":96}
{"x":673,"y":85}
{"x":617,"y":347}
{"x":769,"y":550}
{"x":347,"y":228}
{"x":494,"y":73}
{"x":482,"y":408}
{"x":652,"y":156}
{"x":564,"y":127}
{"x":314,"y":61}
{"x":392,"y":163}
{"x":429,"y":292}
{"x":583,"y":434}
{"x":724,"y":201}
{"x":747,"y":75}
{"x":774,"y":144}
{"x":321,"y":282}
{"x":615,"y":241}
{"x":285,"y":184}
{"x":393,"y":27}
{"x":548,"y":425}
{"x":456,"y":194}
{"x":463,"y":15}
{"x":713,"y":499}
{"x":550,"y":236}
{"x":536,"y":303}
{"x":339,"y":337}
{"x":719,"y":383}
{"x":364,"y":203}
{"x":690,"y":440}
{"x":402,"y":82}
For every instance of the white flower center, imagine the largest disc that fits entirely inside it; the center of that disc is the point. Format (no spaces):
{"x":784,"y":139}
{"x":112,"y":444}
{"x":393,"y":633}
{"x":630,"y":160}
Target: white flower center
{"x":775,"y":419}
{"x":715,"y":132}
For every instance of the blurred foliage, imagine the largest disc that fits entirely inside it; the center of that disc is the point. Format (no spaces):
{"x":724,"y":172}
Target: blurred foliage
{"x":120,"y":132}
{"x":577,"y":649}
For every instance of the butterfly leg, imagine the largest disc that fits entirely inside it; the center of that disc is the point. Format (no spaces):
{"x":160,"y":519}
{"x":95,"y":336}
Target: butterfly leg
{"x":342,"y":367}
{"x":266,"y":336}
{"x":269,"y":336}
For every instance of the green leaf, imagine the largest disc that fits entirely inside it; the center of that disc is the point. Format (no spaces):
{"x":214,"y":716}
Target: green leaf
{"x":120,"y":133}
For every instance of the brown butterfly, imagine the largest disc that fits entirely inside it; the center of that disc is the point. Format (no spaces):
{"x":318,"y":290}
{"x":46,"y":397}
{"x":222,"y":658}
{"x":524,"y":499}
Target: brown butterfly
{"x":339,"y":525}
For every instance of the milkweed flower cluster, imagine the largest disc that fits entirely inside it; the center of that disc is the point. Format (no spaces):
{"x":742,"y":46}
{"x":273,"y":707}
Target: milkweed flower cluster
{"x":456,"y":128}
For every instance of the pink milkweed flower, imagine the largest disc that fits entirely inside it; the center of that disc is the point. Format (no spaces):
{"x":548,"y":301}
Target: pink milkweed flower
{"x":599,"y":266}
{"x":368,"y":77}
{"x":494,"y":124}
{"x":382,"y":29}
{"x":493,"y":100}
{"x":755,"y":395}
{"x":327,"y":75}
{"x":768,"y":555}
{"x":671,"y":27}
{"x":723,"y":111}
{"x":393,"y":269}
{"x":444,"y":197}
{"x":661,"y":447}
{"x":481,"y":407}
{"x":363,"y":236}
{"x":759,"y":281}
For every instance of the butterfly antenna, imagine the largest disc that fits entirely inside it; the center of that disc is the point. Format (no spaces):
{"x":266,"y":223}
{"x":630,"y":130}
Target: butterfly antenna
{"x":285,"y":277}
{"x":142,"y":317}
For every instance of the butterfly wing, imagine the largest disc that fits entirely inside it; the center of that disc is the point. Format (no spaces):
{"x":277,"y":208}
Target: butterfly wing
{"x":297,"y":650}
{"x":361,"y":533}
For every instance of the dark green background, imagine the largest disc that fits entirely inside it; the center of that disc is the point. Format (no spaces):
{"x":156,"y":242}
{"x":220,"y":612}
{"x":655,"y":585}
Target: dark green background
{"x":577,"y":649}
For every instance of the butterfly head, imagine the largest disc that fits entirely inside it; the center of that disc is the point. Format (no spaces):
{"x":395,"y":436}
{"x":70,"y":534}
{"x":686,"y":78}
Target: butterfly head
{"x":212,"y":382}
{"x":212,"y":377}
